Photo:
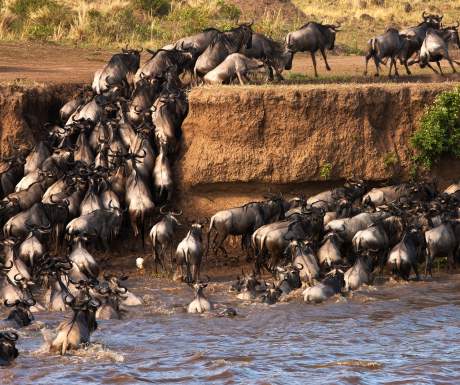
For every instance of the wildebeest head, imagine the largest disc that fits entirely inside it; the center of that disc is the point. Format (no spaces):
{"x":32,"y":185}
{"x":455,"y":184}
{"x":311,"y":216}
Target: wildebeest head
{"x":331,"y":31}
{"x":246,"y":31}
{"x":335,"y":279}
{"x":450,"y":35}
{"x":171,"y":215}
{"x":132,"y":58}
{"x":21,"y":314}
{"x":432,"y":20}
{"x":8,"y":351}
{"x":289,"y":277}
{"x":272,"y":295}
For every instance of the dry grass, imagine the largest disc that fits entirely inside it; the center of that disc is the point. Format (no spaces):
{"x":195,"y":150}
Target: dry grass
{"x":362,"y":19}
{"x":154,"y":23}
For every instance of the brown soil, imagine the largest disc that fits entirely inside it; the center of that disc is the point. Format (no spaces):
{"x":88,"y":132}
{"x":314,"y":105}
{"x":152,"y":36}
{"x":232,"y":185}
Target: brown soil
{"x":24,"y":111}
{"x":240,"y":142}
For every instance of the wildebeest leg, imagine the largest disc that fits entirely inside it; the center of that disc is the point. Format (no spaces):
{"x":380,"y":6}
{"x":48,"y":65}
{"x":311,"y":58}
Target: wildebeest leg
{"x":451,"y":64}
{"x":451,"y":261}
{"x":367,"y":58}
{"x":377,"y":65}
{"x":407,"y":67}
{"x":391,"y":66}
{"x":240,"y":78}
{"x":323,"y":52}
{"x":395,"y":66}
{"x":269,"y":71}
{"x":440,"y":69}
{"x":428,"y":263}
{"x":417,"y":275}
{"x":429,"y":65}
{"x":313,"y":59}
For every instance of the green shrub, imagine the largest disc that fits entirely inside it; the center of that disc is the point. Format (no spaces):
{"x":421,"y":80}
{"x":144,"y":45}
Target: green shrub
{"x":325,"y":171}
{"x":439,"y":131}
{"x":22,"y":8}
{"x":155,"y":7}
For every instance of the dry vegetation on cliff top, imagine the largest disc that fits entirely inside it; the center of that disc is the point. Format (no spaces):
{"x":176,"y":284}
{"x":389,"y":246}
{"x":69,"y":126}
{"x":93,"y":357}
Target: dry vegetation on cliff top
{"x":156,"y":22}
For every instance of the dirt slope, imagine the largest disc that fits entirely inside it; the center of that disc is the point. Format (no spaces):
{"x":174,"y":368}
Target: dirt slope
{"x":237,"y":144}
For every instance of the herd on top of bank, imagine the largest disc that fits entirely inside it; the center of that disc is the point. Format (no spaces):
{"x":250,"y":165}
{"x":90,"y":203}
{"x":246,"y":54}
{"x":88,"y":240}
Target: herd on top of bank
{"x":220,"y":57}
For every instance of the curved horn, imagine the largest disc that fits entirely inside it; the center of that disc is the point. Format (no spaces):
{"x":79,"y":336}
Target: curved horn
{"x":162,"y":210}
{"x":11,"y":336}
{"x":13,"y":304}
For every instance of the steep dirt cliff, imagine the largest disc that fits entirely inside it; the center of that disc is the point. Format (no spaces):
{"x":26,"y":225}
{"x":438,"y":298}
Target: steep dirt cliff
{"x":24,"y":110}
{"x":238,"y":142}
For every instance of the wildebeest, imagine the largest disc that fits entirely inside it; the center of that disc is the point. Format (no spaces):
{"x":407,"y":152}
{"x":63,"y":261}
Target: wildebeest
{"x":360,"y":273}
{"x":75,"y":332}
{"x":435,"y":47}
{"x":36,"y":157}
{"x":416,"y":35}
{"x":168,"y":113}
{"x":8,"y":351}
{"x":200,"y":304}
{"x":162,"y":234}
{"x":142,"y":98}
{"x":235,"y":65}
{"x":386,"y":46}
{"x":99,"y":224}
{"x":243,"y":220}
{"x":271,"y":53}
{"x":304,"y":257}
{"x":222,"y":45}
{"x":11,"y":171}
{"x":161,"y":62}
{"x":332,"y":284}
{"x":162,"y":175}
{"x":118,"y":71}
{"x":189,"y":252}
{"x":289,"y":277}
{"x":329,"y":253}
{"x":197,"y":43}
{"x":112,"y":297}
{"x":405,"y":255}
{"x":440,"y":242}
{"x":312,"y":37}
{"x":21,"y":315}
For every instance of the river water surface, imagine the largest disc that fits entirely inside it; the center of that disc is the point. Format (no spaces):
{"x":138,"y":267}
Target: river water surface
{"x":397,"y":333}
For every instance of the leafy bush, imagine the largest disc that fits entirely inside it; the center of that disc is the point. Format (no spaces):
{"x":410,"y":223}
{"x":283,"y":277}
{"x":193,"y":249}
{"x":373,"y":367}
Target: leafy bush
{"x":439,"y":131}
{"x":156,"y":7}
{"x":24,"y":7}
{"x":325,"y":171}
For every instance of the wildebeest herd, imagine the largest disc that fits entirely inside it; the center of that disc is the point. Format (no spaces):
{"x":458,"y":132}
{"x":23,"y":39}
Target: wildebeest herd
{"x":112,"y":152}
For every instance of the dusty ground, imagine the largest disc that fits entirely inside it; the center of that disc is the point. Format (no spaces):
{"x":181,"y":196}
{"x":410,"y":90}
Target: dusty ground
{"x":60,"y":64}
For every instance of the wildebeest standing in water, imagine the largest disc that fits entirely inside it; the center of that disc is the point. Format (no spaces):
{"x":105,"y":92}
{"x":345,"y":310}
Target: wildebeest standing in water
{"x":312,"y":37}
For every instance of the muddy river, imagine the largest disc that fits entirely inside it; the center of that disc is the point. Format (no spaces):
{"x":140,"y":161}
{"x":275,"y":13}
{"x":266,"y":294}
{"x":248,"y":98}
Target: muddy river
{"x":394,"y":333}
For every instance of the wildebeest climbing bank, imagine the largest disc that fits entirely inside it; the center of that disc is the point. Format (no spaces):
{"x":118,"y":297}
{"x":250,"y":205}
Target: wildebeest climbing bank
{"x":158,"y":235}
